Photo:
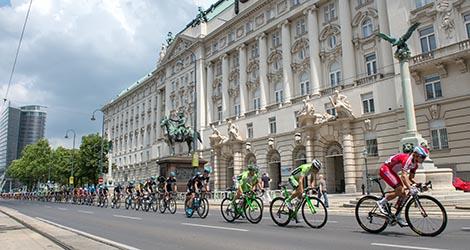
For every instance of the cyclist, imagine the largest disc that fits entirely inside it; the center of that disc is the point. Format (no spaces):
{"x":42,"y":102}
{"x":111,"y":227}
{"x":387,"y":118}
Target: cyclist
{"x":149,"y":185}
{"x":248,"y":181}
{"x":407,"y":164}
{"x":195,"y":184}
{"x":117,"y":191}
{"x":296,"y":179}
{"x":170,"y":184}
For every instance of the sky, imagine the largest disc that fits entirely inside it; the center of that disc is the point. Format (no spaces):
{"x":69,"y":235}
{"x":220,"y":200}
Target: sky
{"x":76,"y":56}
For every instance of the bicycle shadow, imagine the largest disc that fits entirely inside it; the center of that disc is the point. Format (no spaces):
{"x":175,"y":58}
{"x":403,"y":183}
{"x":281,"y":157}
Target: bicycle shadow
{"x":389,"y":234}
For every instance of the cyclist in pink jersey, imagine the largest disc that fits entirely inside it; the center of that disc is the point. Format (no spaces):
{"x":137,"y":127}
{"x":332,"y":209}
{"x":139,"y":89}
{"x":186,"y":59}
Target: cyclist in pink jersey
{"x":407,"y":164}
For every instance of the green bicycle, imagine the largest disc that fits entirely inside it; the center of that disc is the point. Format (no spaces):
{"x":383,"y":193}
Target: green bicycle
{"x":248,"y":206}
{"x":314,"y":212}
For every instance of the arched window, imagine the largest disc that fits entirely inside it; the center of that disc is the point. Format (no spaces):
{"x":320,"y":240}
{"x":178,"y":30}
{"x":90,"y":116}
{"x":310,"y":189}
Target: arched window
{"x":276,"y":65}
{"x":367,"y":27}
{"x":236,"y":106}
{"x":279,"y":92}
{"x":335,"y":74}
{"x":256,"y":99}
{"x":304,"y":84}
{"x":332,"y":41}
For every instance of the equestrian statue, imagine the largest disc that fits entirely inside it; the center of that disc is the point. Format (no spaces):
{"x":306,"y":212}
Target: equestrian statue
{"x":176,"y":131}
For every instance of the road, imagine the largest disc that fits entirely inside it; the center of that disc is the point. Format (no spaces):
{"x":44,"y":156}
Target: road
{"x":149,"y":230}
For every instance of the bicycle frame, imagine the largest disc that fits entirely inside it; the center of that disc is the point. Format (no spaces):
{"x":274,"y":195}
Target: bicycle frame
{"x":293,"y":214}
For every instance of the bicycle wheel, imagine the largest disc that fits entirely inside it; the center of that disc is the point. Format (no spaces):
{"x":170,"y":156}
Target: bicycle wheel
{"x":155,"y":205}
{"x":207,"y":207}
{"x":117,"y":204}
{"x":426,"y":216}
{"x":314,"y":212}
{"x":171,"y":205}
{"x":105,"y":202}
{"x":203,"y":206}
{"x":369,"y":216}
{"x":162,"y":205}
{"x":227,"y":209}
{"x":279,"y":211}
{"x":253,"y":211}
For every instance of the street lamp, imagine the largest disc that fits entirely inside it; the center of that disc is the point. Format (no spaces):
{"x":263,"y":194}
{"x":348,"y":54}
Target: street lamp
{"x":102,"y":137}
{"x":73,"y":153}
{"x":365,"y":154}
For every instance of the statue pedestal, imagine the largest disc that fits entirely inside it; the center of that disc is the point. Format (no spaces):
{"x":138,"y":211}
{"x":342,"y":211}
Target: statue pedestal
{"x":441,"y":178}
{"x":182,"y":166}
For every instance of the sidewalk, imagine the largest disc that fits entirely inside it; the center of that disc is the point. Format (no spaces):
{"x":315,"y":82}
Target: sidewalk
{"x":18,"y":231}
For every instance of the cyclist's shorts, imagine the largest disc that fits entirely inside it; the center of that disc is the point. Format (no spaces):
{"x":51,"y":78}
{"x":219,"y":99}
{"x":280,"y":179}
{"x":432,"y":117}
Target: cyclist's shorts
{"x":389,"y":176}
{"x":293,"y":182}
{"x":245,"y":187}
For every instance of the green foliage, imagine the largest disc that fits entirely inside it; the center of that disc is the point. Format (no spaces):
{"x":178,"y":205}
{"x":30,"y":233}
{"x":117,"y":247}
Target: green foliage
{"x":39,"y":162}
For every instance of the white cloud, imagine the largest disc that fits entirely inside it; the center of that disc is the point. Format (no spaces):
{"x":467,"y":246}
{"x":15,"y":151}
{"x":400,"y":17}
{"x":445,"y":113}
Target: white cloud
{"x":25,"y":91}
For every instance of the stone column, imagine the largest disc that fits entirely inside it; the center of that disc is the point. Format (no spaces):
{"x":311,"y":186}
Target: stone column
{"x":314,"y":49}
{"x":243,"y":78}
{"x":200,"y":91}
{"x":263,"y":69}
{"x":348,"y":158}
{"x":153,"y":109}
{"x":286,"y":61}
{"x":210,"y":81}
{"x":385,"y":47}
{"x":225,"y":85}
{"x":349,"y":63}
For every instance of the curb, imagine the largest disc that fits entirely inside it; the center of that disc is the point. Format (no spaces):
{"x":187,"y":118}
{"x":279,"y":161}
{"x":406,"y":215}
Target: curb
{"x":54,"y":238}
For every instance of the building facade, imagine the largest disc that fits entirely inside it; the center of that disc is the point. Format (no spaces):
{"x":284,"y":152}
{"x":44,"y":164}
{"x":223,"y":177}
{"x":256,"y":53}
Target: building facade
{"x":19,"y":127}
{"x":286,"y":81}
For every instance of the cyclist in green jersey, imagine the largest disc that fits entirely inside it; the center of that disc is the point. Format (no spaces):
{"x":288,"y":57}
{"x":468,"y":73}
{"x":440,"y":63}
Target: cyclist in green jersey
{"x":296,"y":179}
{"x":248,"y":181}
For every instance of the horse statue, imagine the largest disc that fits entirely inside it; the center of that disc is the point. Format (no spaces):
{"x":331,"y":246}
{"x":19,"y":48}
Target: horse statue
{"x":176,"y":131}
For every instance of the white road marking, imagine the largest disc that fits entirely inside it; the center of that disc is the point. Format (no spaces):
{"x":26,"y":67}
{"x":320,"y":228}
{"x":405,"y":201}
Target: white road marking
{"x":85,"y":212}
{"x":332,"y":221}
{"x":216,"y":227}
{"x":127,"y":217}
{"x":106,"y":241}
{"x":406,"y":247}
{"x":47,"y":206}
{"x":466,"y":228}
{"x":62,"y":208}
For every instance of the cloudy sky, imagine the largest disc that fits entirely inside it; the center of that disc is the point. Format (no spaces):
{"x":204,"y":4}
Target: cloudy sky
{"x":77,"y":55}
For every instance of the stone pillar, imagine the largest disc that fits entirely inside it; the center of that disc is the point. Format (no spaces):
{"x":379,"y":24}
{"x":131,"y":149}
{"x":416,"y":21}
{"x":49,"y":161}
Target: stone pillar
{"x":225,"y":84}
{"x":210,"y":81}
{"x":286,"y":61}
{"x":348,"y":158}
{"x":153,"y":121}
{"x":385,"y":47}
{"x":349,"y":63}
{"x":200,"y":91}
{"x":309,"y":147}
{"x":263,"y":69}
{"x":237,"y":159}
{"x":314,"y":49}
{"x":243,"y":78}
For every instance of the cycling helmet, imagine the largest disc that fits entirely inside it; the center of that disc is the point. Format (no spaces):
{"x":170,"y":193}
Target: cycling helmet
{"x":253,"y":167}
{"x":152,"y":178}
{"x":207,"y":169}
{"x":198,"y":174}
{"x":131,"y":182}
{"x":316,"y":164}
{"x":172,"y":174}
{"x":421,"y":151}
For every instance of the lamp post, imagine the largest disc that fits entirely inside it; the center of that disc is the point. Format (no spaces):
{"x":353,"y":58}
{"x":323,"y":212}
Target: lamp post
{"x":71,"y":180}
{"x":365,"y":154}
{"x":102,"y":137}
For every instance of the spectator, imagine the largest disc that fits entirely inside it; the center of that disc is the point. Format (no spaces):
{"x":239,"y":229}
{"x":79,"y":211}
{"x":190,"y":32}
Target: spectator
{"x":322,"y":190}
{"x":265,"y":179}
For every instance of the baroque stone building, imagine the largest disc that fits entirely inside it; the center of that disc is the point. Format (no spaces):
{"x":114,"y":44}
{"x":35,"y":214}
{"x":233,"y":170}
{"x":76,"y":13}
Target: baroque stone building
{"x":286,"y":81}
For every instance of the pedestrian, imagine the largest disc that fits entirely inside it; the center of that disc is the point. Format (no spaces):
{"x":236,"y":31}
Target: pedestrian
{"x":266,"y":180}
{"x":322,"y":192}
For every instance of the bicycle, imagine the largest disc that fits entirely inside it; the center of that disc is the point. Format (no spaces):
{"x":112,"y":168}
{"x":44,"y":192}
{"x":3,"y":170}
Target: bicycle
{"x":315,"y":215}
{"x":166,"y":203}
{"x":200,"y":204}
{"x":102,"y":200}
{"x":248,"y":206}
{"x":116,"y":201}
{"x":416,"y":207}
{"x":129,"y":202}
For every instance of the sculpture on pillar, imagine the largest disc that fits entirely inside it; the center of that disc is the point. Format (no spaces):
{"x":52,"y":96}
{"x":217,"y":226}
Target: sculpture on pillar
{"x":307,"y":109}
{"x":233,"y":133}
{"x":342,"y":106}
{"x":402,"y":52}
{"x":216,"y":138}
{"x":162,"y":52}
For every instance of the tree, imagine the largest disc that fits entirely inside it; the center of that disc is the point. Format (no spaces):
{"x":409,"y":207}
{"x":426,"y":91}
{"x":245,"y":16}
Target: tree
{"x":62,"y":165}
{"x":88,"y":159}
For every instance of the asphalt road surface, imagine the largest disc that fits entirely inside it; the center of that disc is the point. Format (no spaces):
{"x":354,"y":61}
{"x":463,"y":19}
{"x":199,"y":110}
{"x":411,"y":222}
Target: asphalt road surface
{"x":149,"y":230}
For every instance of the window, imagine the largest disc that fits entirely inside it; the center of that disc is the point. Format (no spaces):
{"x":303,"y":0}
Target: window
{"x":304,"y":84}
{"x":368,"y":103}
{"x":421,"y":3}
{"x":272,"y":125}
{"x":218,"y":68}
{"x":215,"y":47}
{"x":302,"y":53}
{"x":466,"y":19}
{"x":329,"y":109}
{"x":276,"y":65}
{"x":330,"y":12}
{"x":433,"y":87}
{"x":300,"y":27}
{"x":367,"y":28}
{"x":236,"y":106}
{"x":279,"y":93}
{"x":254,"y":50}
{"x":296,"y":116}
{"x":332,"y":41}
{"x":249,"y":130}
{"x":256,"y":100}
{"x":372,"y":149}
{"x":219,"y":113}
{"x":235,"y":60}
{"x":335,"y":74}
{"x":438,"y":134}
{"x":231,"y":37}
{"x":276,"y":39}
{"x":427,"y":39}
{"x":371,"y":64}
{"x":249,"y":26}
